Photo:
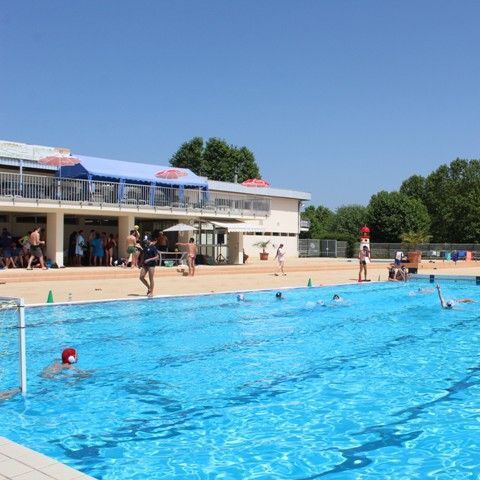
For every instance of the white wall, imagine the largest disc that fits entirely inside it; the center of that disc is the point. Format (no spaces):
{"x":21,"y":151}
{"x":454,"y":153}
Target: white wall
{"x":282,"y":226}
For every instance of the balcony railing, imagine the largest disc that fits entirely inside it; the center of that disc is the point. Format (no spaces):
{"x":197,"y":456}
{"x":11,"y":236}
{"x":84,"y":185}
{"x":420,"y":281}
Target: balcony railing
{"x":14,"y":186}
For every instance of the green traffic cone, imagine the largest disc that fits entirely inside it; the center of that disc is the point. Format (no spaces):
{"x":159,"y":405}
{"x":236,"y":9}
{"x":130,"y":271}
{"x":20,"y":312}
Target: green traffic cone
{"x":309,"y":284}
{"x":50,"y":297}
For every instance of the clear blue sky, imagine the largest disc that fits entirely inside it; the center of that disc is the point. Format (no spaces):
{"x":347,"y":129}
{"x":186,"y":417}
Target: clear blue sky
{"x":338,"y":98}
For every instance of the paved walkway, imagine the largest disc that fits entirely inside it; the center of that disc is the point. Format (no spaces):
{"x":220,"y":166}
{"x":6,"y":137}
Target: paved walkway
{"x":102,"y":283}
{"x":21,"y":463}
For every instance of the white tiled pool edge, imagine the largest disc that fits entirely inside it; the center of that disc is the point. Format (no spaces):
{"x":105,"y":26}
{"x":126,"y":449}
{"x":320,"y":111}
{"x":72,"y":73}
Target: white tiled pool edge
{"x":20,"y":463}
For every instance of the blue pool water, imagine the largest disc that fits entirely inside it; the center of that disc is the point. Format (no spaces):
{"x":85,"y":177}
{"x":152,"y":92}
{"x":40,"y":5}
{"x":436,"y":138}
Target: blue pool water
{"x":385,"y":385}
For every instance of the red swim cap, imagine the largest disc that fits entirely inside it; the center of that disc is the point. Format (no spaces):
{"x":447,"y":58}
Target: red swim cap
{"x":69,"y":355}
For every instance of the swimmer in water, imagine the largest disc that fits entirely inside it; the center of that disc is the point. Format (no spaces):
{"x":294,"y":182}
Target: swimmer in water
{"x":279,"y":296}
{"x":240,"y":297}
{"x":337,"y":298}
{"x":69,"y":358}
{"x":445,"y":304}
{"x":425,"y":290}
{"x":420,"y":291}
{"x":449,"y":304}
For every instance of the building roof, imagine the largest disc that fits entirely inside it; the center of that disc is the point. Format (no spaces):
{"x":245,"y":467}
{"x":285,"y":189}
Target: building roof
{"x":114,"y":170}
{"x":257,"y":191}
{"x":104,"y":168}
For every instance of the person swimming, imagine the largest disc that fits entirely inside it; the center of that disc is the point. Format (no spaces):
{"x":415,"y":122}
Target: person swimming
{"x":337,"y":298}
{"x":279,"y":296}
{"x":240,"y":297}
{"x":449,"y":304}
{"x":69,"y":358}
{"x":425,"y":290}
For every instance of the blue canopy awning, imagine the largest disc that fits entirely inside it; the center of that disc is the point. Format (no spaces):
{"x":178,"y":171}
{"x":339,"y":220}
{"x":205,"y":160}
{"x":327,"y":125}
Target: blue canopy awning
{"x":115,"y":170}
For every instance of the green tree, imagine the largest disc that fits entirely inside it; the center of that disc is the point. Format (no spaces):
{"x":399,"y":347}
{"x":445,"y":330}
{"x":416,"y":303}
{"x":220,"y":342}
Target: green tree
{"x":392,"y":213}
{"x":216,"y":160}
{"x":245,"y":165}
{"x":348,"y":220}
{"x":190,"y":155}
{"x":453,"y":201}
{"x":320,"y":221}
{"x":415,"y":187}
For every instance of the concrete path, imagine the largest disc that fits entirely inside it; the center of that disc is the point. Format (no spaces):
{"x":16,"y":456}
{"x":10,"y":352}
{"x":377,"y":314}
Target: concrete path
{"x":102,"y":283}
{"x":21,"y":463}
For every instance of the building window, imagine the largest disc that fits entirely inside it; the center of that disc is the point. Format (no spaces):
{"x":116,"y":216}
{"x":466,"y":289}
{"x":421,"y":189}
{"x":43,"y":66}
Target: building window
{"x":101,"y":222}
{"x":32,"y":220}
{"x":71,"y":220}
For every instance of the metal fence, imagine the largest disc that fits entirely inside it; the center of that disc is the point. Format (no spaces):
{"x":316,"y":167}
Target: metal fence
{"x":429,"y":250}
{"x":14,"y":186}
{"x":309,"y":247}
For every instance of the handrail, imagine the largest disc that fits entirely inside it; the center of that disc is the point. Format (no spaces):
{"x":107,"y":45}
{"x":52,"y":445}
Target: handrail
{"x":93,"y":192}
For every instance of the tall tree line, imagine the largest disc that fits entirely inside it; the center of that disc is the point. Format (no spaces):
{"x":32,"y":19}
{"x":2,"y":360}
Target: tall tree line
{"x":443,"y":206}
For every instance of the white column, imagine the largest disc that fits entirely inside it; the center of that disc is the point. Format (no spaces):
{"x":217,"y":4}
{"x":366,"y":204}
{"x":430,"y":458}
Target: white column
{"x":125,"y":224}
{"x":235,"y":248}
{"x":55,"y":246}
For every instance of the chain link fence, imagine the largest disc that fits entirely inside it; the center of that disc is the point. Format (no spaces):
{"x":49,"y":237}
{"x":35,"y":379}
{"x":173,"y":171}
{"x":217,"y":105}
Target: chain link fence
{"x":310,"y":247}
{"x":430,"y":251}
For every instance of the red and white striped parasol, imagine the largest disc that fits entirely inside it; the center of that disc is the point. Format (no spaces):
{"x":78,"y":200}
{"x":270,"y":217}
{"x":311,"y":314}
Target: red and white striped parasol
{"x":59,"y":161}
{"x":255,"y":182}
{"x":171,"y":174}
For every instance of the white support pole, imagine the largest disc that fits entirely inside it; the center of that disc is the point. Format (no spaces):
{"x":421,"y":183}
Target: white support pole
{"x":55,"y":226}
{"x":22,"y":346}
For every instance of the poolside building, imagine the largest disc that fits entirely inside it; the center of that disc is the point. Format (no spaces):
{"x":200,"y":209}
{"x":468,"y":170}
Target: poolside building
{"x":112,"y":196}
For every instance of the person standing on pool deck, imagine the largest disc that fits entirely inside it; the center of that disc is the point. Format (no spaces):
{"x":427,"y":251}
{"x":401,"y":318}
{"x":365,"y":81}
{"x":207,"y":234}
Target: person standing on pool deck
{"x":36,"y":249}
{"x":280,"y":257}
{"x":162,"y":242}
{"x":131,"y":242}
{"x":150,"y":257}
{"x":191,"y":255}
{"x":398,"y":258}
{"x":364,"y":258}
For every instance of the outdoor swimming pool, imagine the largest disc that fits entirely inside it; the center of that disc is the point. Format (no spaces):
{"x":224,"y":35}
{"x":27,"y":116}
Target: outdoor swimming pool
{"x":383,"y":385}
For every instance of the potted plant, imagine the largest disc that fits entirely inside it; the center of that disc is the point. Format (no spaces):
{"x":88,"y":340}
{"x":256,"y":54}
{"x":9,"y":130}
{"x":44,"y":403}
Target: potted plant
{"x":412,"y":240}
{"x":263,"y":245}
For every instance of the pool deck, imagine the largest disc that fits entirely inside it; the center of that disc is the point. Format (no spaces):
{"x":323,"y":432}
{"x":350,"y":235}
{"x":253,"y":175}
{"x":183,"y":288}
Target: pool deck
{"x":108,"y":283}
{"x":21,"y":463}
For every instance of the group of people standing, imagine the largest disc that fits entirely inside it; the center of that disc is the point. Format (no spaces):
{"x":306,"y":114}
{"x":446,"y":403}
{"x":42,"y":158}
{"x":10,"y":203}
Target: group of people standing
{"x":26,"y":251}
{"x":134,"y":247}
{"x":96,"y":249}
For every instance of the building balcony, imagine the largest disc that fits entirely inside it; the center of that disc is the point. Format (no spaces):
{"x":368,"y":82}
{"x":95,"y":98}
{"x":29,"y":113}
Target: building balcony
{"x":65,"y":192}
